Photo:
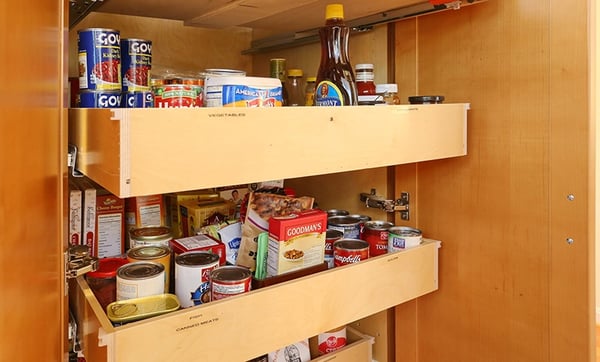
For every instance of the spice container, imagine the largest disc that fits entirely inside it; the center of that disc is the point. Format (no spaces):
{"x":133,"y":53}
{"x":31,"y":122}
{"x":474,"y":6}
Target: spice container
{"x":103,"y":281}
{"x":295,"y":87}
{"x":309,"y":92}
{"x":365,"y":84}
{"x":389,"y":93}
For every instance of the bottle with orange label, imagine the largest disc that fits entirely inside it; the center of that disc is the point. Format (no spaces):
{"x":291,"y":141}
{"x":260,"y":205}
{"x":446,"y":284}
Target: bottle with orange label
{"x":336,"y":84}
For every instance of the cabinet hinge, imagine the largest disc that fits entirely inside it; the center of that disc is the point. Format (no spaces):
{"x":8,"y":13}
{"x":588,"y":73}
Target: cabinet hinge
{"x":78,"y":261}
{"x":72,"y":161}
{"x":401,"y":205}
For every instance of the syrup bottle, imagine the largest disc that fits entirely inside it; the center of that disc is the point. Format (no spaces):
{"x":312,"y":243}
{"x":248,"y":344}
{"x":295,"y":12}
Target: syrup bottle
{"x":336,"y":85}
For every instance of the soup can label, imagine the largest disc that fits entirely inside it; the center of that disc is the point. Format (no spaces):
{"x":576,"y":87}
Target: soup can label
{"x":192,"y":277}
{"x":403,"y":237}
{"x":100,"y":99}
{"x":229,"y":280}
{"x":350,"y":251}
{"x":136,"y":57}
{"x":177,"y":96}
{"x":331,"y":236}
{"x":99,"y":59}
{"x":376,"y":234}
{"x":349,"y":225}
{"x":140,"y":279}
{"x":137,"y":100}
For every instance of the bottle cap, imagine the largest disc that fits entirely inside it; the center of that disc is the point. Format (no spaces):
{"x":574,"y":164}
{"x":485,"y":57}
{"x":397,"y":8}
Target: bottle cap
{"x":383,"y":88}
{"x":311,"y":79}
{"x":334,"y":11}
{"x":364,"y":66}
{"x":294,"y":72}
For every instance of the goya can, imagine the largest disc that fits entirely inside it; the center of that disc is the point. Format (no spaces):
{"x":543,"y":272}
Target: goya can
{"x":403,"y":237}
{"x":140,"y":279}
{"x":349,"y":251}
{"x":192,"y":277}
{"x":177,"y":96}
{"x":349,"y":225}
{"x":229,"y":280}
{"x":331,"y":236}
{"x":136,"y":60}
{"x":157,"y":253}
{"x":99,"y":59}
{"x":137,"y":99}
{"x":150,"y":235}
{"x":376,"y":234}
{"x":99,"y":99}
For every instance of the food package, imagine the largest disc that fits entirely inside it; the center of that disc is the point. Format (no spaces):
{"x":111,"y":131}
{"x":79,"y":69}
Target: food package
{"x":297,"y":352}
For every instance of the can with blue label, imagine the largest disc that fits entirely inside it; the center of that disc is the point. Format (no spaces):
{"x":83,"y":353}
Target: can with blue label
{"x":104,"y":99}
{"x":136,"y":63}
{"x":137,"y":100}
{"x":99,"y":59}
{"x":403,"y":237}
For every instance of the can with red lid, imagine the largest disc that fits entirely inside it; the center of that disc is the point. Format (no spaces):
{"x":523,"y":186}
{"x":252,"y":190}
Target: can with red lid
{"x":103,"y":281}
{"x":376,"y":234}
{"x":350,"y":251}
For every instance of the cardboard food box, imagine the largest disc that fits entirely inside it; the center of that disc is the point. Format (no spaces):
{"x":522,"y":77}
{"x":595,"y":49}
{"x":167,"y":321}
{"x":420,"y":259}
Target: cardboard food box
{"x":174,"y":199}
{"x":296,"y":241}
{"x":143,"y":211}
{"x":89,"y":190}
{"x":75,"y":213}
{"x":195,"y":214}
{"x":199,"y":242}
{"x":110,"y":225}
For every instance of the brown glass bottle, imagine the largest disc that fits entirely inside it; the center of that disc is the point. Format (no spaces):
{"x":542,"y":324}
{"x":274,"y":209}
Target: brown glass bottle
{"x":336,"y":84}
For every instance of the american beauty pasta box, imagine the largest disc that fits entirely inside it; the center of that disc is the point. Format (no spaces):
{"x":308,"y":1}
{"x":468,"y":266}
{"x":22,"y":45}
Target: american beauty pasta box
{"x":296,"y":241}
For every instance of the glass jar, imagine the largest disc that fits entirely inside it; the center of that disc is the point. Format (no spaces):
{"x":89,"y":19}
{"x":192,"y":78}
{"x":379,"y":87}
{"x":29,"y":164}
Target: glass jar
{"x":365,"y":77}
{"x":389,"y":93}
{"x":309,"y":92}
{"x":295,"y":87}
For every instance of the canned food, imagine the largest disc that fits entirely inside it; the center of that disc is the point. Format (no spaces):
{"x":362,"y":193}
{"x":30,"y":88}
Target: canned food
{"x":363,"y":219}
{"x":349,"y":251}
{"x":136,"y":59}
{"x":178,"y":96}
{"x":349,"y":225}
{"x":99,"y":59}
{"x":99,"y":99}
{"x":192,"y":277}
{"x":337,"y":212}
{"x":332,"y":340}
{"x":331,"y":236}
{"x":403,"y":237}
{"x":229,"y":280}
{"x":225,"y":72}
{"x":140,"y":279}
{"x":137,"y":100}
{"x":150,"y":235}
{"x":157,"y":253}
{"x":376,"y":234}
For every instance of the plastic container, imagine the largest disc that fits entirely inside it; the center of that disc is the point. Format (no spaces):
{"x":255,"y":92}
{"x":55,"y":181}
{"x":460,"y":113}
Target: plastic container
{"x":295,"y":87}
{"x":103,"y":281}
{"x":389,"y":93}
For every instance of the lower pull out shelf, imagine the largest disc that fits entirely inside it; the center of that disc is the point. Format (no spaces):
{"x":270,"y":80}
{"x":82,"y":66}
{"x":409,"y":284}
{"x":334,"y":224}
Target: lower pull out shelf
{"x":242,"y":327}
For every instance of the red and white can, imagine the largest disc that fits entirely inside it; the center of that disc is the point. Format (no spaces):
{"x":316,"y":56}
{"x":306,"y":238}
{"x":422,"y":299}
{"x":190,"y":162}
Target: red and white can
{"x":376,"y":234}
{"x":349,"y":251}
{"x":192,"y":277}
{"x":332,"y":340}
{"x":229,"y":280}
{"x":331,"y":236}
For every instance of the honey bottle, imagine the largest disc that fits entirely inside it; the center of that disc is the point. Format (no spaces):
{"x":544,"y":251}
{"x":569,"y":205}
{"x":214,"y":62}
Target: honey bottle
{"x":336,"y":84}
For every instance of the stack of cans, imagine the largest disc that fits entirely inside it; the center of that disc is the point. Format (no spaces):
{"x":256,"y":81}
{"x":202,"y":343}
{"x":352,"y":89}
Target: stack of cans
{"x":113,"y":72}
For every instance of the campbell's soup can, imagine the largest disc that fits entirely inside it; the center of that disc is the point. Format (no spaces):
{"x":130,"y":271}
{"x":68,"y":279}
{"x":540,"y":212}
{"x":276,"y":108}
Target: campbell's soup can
{"x":332,"y":340}
{"x":376,"y":234}
{"x":157,"y":253}
{"x":99,"y":54}
{"x":177,"y":96}
{"x":192,"y":277}
{"x":99,"y":99}
{"x":349,"y":225}
{"x":137,"y":99}
{"x":403,"y":237}
{"x":349,"y":251}
{"x":331,"y":236}
{"x":140,"y":279}
{"x":229,"y":280}
{"x":136,"y":62}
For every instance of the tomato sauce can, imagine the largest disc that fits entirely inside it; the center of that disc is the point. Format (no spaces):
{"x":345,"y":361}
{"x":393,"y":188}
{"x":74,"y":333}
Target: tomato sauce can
{"x":99,"y":99}
{"x":229,"y":280}
{"x":192,"y":277}
{"x":150,"y":235}
{"x":331,"y":236}
{"x":403,"y":237}
{"x":136,"y":60}
{"x":376,"y":234}
{"x":349,"y":225}
{"x":157,"y":253}
{"x":140,"y":279}
{"x":349,"y":251}
{"x":99,"y":54}
{"x":177,"y":96}
{"x":143,"y":99}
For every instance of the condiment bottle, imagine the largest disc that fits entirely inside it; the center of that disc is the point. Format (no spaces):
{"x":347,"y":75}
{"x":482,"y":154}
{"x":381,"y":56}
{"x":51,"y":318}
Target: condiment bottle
{"x":295,"y":87}
{"x":365,"y":84}
{"x":277,"y":70}
{"x":309,"y":93}
{"x":336,"y":85}
{"x":389,"y":93}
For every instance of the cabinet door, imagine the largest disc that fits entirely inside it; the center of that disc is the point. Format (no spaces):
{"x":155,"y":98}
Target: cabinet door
{"x":33,"y":157}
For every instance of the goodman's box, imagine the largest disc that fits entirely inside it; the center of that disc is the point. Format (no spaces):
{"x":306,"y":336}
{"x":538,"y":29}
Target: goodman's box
{"x":200,"y":242}
{"x":296,"y":241}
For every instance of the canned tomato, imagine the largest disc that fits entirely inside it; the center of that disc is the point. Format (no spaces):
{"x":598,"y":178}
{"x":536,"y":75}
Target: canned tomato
{"x":137,"y":100}
{"x":99,"y":99}
{"x":192,"y":277}
{"x":177,"y":96}
{"x":376,"y":234}
{"x":349,"y":251}
{"x":99,"y":59}
{"x":229,"y":280}
{"x":150,"y":235}
{"x":140,"y":279}
{"x":403,"y":237}
{"x":349,"y":225}
{"x":331,"y":236}
{"x":136,"y":59}
{"x":157,"y":253}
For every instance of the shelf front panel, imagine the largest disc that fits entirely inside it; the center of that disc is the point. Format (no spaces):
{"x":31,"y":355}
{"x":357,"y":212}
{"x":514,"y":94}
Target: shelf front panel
{"x":266,"y":319}
{"x":134,"y":152}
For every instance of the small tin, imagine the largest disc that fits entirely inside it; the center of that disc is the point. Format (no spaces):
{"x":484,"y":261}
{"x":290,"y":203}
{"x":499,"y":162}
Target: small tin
{"x":99,"y":53}
{"x":143,"y":99}
{"x":331,"y":236}
{"x":136,"y":62}
{"x":376,"y":234}
{"x":150,"y":235}
{"x":192,"y":277}
{"x":229,"y":280}
{"x":99,"y":99}
{"x":157,"y":253}
{"x":349,"y":251}
{"x":403,"y":237}
{"x":140,"y":279}
{"x":349,"y":225}
{"x":337,"y":212}
{"x":131,"y":310}
{"x":178,"y":96}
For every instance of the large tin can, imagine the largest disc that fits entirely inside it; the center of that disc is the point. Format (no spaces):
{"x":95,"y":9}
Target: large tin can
{"x":331,"y":236}
{"x":376,"y":234}
{"x":349,"y":251}
{"x":229,"y":280}
{"x":136,"y":60}
{"x":192,"y":277}
{"x":349,"y":225}
{"x":403,"y":237}
{"x":99,"y":59}
{"x":150,"y":235}
{"x":157,"y":253}
{"x":140,"y":279}
{"x":99,"y":99}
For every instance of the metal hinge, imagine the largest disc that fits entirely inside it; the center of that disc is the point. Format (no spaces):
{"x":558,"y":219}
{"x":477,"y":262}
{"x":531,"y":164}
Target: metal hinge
{"x":78,"y":261}
{"x":401,"y":205}
{"x":72,"y":161}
